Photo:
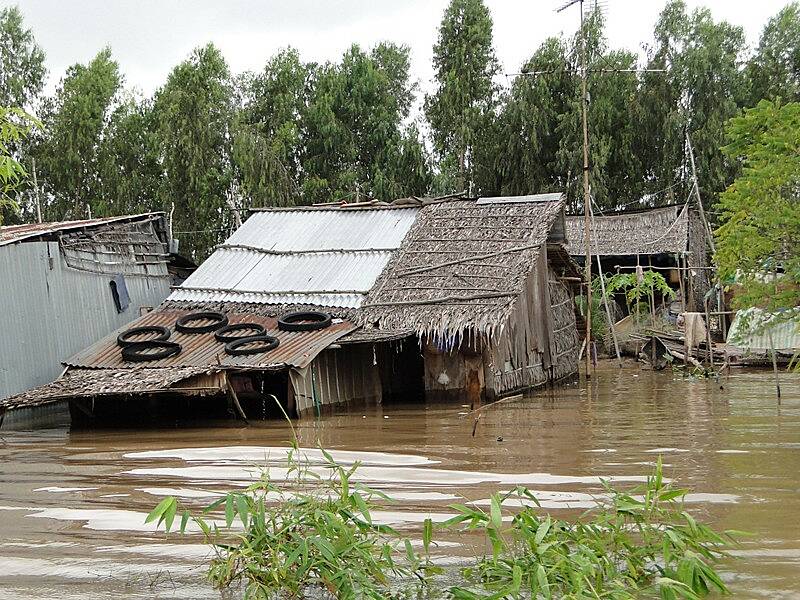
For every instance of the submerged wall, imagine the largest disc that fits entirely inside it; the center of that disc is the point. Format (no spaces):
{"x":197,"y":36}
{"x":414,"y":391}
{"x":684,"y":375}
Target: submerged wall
{"x":368,"y":372}
{"x":50,"y":311}
{"x":540,"y":341}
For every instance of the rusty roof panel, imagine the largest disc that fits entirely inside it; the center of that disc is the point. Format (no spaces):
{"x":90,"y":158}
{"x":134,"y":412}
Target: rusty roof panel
{"x":296,"y":349}
{"x":18,"y":233}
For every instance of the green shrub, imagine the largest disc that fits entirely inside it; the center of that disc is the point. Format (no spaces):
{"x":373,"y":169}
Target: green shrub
{"x":324,"y":538}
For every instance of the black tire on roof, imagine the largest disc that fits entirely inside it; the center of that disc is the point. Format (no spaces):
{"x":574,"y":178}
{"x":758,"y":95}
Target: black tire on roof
{"x":223,"y":334}
{"x":304,"y":321}
{"x":163,"y":333}
{"x":139,"y":351}
{"x":242,"y":346}
{"x":183,"y":324}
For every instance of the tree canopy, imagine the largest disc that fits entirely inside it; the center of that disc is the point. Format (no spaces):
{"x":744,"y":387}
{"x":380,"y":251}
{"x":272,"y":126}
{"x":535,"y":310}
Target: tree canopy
{"x":758,"y":241}
{"x":213,"y":143}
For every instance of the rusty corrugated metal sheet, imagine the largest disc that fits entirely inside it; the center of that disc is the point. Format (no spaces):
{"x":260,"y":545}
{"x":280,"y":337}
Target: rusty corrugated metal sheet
{"x":296,"y":349}
{"x":17,"y":233}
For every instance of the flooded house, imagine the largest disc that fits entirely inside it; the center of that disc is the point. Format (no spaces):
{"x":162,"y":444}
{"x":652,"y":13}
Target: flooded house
{"x":68,"y":284}
{"x":669,"y":239}
{"x":368,"y":302}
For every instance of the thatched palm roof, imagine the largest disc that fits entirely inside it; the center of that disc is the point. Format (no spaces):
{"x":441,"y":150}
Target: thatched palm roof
{"x":462,"y":265}
{"x":655,"y":231}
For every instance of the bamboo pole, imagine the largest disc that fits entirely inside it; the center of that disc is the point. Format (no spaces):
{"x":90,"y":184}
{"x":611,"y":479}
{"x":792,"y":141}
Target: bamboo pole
{"x":706,"y":226}
{"x":774,"y":365}
{"x":36,"y":192}
{"x":603,"y":291}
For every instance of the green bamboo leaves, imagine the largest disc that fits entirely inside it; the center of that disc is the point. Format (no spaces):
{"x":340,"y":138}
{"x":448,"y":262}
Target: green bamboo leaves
{"x":633,"y":542}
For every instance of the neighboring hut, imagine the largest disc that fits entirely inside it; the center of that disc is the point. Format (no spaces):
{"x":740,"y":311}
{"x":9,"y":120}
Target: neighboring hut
{"x":68,"y":284}
{"x":669,"y":239}
{"x":428,"y":297}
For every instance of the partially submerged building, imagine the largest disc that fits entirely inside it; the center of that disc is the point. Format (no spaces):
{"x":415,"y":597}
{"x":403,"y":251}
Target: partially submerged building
{"x":428,"y":297}
{"x":68,"y":284}
{"x":669,"y":239}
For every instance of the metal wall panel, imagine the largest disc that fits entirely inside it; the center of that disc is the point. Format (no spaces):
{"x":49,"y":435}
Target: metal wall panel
{"x":50,"y":311}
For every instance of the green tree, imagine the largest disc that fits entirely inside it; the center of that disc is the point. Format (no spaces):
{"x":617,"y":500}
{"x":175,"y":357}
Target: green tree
{"x":463,"y":104}
{"x":15,"y":124}
{"x":758,"y":241}
{"x":193,"y":116}
{"x":615,"y":167}
{"x":355,"y":143}
{"x":529,"y":121}
{"x":128,"y":159}
{"x":22,"y":70}
{"x":774,"y":70}
{"x":75,"y":120}
{"x":267,"y":142}
{"x":702,"y":87}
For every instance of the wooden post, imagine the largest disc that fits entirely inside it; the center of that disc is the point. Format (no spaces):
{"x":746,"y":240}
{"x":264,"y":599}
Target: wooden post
{"x":774,"y":366}
{"x":652,"y":294}
{"x":586,"y":196}
{"x":709,"y":349}
{"x":473,"y":388}
{"x":235,"y":400}
{"x":680,"y":282}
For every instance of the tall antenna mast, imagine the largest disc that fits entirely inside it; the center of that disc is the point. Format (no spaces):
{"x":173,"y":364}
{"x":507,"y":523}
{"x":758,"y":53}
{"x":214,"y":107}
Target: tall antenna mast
{"x":586,"y":191}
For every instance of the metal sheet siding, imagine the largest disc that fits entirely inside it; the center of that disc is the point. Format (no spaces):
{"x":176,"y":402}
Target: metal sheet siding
{"x":332,"y":258}
{"x":296,"y":348}
{"x":755,"y":335}
{"x":49,"y":314}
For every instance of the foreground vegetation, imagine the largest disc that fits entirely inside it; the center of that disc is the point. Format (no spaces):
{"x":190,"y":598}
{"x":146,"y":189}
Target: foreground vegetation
{"x":319,"y":534}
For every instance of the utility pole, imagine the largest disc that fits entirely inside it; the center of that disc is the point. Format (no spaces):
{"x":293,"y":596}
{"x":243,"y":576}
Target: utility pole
{"x":586,"y":191}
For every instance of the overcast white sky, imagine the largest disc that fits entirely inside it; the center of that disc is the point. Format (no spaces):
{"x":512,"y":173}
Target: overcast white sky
{"x":148,"y":37}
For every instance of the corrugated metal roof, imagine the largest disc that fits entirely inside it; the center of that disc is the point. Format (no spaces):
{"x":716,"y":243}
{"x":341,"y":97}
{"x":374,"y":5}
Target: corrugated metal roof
{"x":321,"y":257}
{"x":16,"y":233}
{"x":296,"y":349}
{"x":333,"y":229}
{"x":752,"y":328}
{"x":555,"y":197}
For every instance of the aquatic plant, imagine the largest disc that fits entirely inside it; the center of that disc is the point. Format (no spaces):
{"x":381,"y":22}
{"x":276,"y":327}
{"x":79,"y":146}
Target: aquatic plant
{"x":320,"y":535}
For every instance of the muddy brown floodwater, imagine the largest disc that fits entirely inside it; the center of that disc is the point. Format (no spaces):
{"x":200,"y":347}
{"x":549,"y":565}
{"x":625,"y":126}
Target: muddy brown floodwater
{"x":72,"y":503}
